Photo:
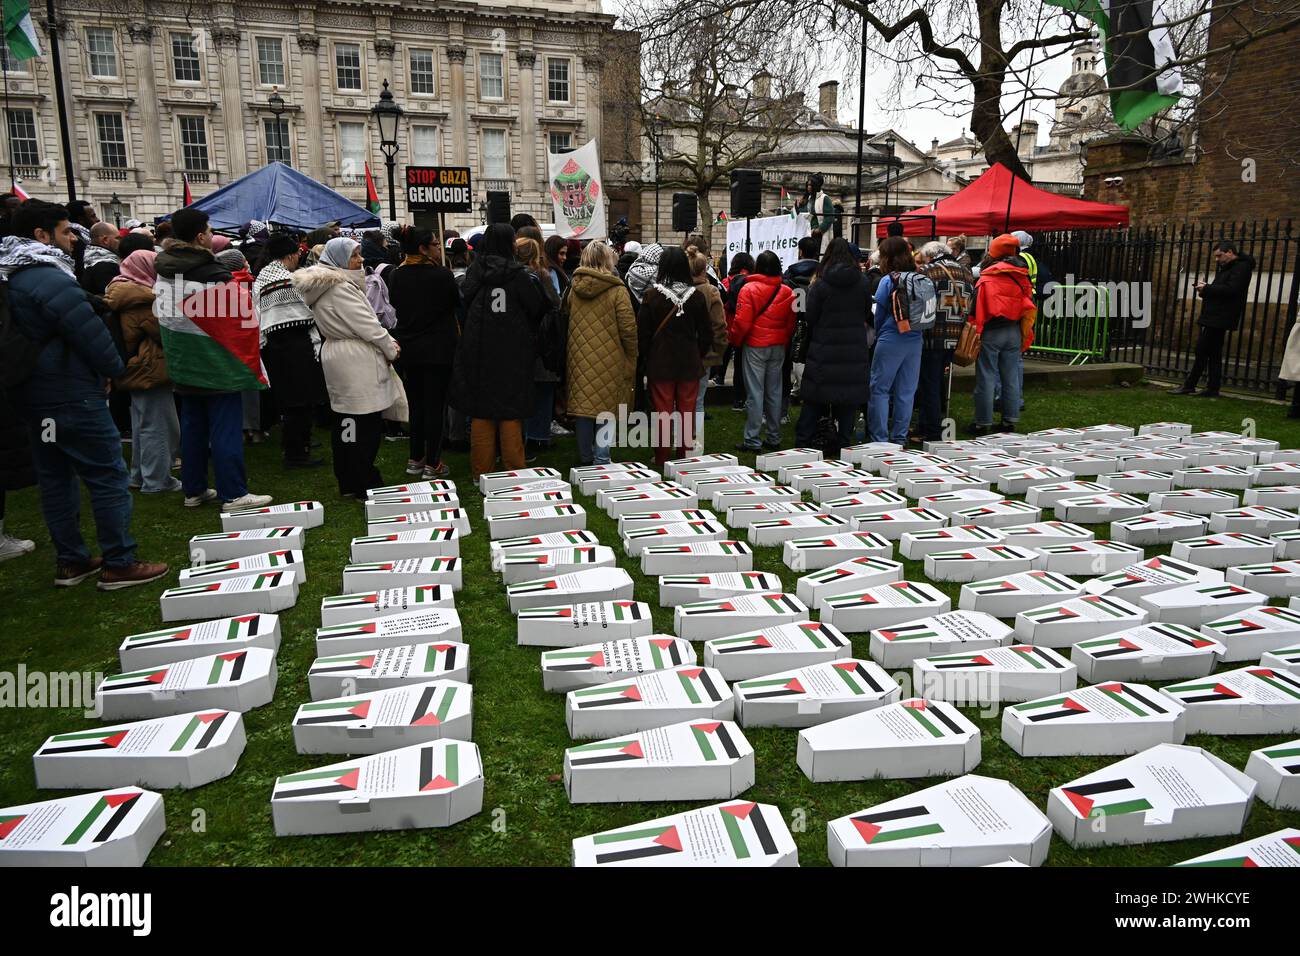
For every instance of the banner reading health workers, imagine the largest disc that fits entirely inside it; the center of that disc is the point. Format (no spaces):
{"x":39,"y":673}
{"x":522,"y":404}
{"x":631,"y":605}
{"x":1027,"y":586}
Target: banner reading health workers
{"x":779,"y":234}
{"x":576,"y":192}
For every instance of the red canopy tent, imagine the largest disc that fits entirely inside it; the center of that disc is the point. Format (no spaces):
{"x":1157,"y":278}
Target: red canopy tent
{"x":981,"y":210}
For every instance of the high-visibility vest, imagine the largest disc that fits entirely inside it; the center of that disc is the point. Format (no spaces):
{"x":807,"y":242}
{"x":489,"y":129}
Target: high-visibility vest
{"x":1032,"y":263}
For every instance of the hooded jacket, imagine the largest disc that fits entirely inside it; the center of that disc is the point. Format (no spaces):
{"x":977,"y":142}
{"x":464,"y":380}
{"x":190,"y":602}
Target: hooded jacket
{"x":1224,"y":298}
{"x":146,"y":364}
{"x":602,"y":347}
{"x":717,"y":318}
{"x":1003,"y":293}
{"x":426,"y":299}
{"x":674,"y":333}
{"x":838,"y":365}
{"x":358,"y":352}
{"x":764,"y":312}
{"x":492,"y":377}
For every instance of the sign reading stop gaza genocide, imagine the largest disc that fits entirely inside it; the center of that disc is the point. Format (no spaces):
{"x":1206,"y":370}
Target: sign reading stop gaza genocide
{"x":438,"y":189}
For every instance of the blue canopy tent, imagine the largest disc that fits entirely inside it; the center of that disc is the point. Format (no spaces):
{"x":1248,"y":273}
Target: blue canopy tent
{"x":280,"y":194}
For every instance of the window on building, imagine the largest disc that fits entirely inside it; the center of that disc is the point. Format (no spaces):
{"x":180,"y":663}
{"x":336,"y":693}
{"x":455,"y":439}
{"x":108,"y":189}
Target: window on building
{"x":270,"y":61}
{"x":101,"y":53}
{"x":491,"y":76}
{"x":559,"y":142}
{"x":9,"y":64}
{"x":111,"y":133}
{"x":276,"y":131}
{"x":352,"y":151}
{"x":194,"y":143}
{"x":185,"y":59}
{"x":557,"y":80}
{"x":422,"y":80}
{"x":424,"y":145}
{"x":347,"y":66}
{"x":24,"y":150}
{"x":494,"y":153}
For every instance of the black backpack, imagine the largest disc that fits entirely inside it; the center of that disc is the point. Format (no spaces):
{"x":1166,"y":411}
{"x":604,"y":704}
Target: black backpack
{"x":553,"y":337}
{"x":18,"y":353}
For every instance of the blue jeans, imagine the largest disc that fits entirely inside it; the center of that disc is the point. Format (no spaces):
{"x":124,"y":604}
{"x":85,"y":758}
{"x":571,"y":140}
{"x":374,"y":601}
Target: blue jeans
{"x":763,"y":392}
{"x":999,"y":364}
{"x":211,"y":426}
{"x":155,"y":438}
{"x":78,"y":440}
{"x":538,"y":428}
{"x":590,"y":452}
{"x":895,"y":370}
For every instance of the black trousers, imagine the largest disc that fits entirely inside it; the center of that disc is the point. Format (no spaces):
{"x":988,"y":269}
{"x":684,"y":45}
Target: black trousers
{"x":355,"y":442}
{"x":810,"y":416}
{"x":931,"y":393}
{"x":1209,"y":356}
{"x":736,"y":352}
{"x":426,"y":392}
{"x":295,"y":432}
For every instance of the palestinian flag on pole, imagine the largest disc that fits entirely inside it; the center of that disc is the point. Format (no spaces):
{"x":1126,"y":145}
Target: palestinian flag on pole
{"x":187,"y":197}
{"x":722,"y":217}
{"x":372,"y":196}
{"x":21,"y":39}
{"x":1137,"y":51}
{"x":105,"y":816}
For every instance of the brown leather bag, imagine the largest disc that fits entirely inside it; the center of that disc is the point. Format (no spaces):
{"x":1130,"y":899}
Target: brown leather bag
{"x":968,"y":346}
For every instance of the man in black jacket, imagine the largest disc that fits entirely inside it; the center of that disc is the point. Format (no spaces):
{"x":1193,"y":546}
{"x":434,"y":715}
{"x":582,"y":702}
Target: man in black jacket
{"x":1224,"y":303}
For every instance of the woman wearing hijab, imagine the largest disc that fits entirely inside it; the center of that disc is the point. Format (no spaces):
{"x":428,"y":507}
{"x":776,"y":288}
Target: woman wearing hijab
{"x":289,"y":347}
{"x":155,"y":429}
{"x":357,"y":359}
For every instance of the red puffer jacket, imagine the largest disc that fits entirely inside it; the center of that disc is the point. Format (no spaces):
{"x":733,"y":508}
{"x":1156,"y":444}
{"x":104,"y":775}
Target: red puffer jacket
{"x":758,"y":324}
{"x":1004,"y":290}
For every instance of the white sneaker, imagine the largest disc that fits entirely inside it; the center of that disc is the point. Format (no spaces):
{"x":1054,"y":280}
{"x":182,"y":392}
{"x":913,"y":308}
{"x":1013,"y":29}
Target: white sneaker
{"x":249,"y":500}
{"x":558,"y":430}
{"x":15,"y":547}
{"x":203,"y":499}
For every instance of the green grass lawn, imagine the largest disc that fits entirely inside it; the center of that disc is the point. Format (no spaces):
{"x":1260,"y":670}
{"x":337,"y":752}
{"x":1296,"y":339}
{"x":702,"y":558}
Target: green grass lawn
{"x":526,"y":819}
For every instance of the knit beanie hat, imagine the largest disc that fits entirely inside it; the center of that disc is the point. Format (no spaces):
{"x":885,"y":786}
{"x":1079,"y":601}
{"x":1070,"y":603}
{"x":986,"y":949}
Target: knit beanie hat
{"x":1003,"y":246}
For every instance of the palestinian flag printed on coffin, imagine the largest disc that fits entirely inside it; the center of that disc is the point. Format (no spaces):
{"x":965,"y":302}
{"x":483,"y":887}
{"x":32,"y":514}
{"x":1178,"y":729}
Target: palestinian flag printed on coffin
{"x":180,"y":733}
{"x":896,"y":594}
{"x":543,"y":542}
{"x":800,"y":521}
{"x":408,"y":663}
{"x":691,"y":742}
{"x":870,"y":567}
{"x":1080,"y":618}
{"x":957,"y":627}
{"x":253,"y":534}
{"x":1276,"y":578}
{"x":1160,"y":520}
{"x":879,"y":826}
{"x":802,"y":636}
{"x":637,"y":519}
{"x":389,"y":600}
{"x":736,"y":581}
{"x":834,"y":680}
{"x":1116,"y":701}
{"x":778,"y":605}
{"x":738,"y":833}
{"x":733,"y":548}
{"x":1284,"y":658}
{"x":1147,"y":640}
{"x":1016,"y":658}
{"x":573,"y":582}
{"x":648,"y":493}
{"x":435,"y":767}
{"x":1247,"y":685}
{"x":1280,"y":848}
{"x":424,"y":518}
{"x":437,"y":564}
{"x":251,"y":582}
{"x":1044,"y":533}
{"x":1159,"y":572}
{"x":975,"y":534}
{"x":76,"y":823}
{"x":1027,"y":582}
{"x":418,"y":536}
{"x":994,"y":509}
{"x":237,"y":567}
{"x":550,"y":511}
{"x":430,"y":704}
{"x":210,"y":335}
{"x":1256,"y":622}
{"x":587,"y":555}
{"x":595,"y":613}
{"x":438,"y":487}
{"x":215,"y":632}
{"x":1286,"y":757}
{"x":686,"y":529}
{"x":1108,"y":796}
{"x":676,"y":687}
{"x":633,"y":655}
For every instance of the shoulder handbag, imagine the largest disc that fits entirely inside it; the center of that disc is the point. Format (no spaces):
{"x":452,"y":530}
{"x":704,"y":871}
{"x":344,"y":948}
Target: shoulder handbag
{"x":968,"y":346}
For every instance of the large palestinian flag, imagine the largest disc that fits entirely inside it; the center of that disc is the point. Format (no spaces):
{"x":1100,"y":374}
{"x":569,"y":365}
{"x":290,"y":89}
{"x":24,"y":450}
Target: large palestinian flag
{"x":1137,"y":51}
{"x":210,"y":334}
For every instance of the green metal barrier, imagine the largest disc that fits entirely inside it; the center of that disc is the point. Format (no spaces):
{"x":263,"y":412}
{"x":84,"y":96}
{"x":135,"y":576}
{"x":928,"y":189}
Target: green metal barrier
{"x":1074,"y":324}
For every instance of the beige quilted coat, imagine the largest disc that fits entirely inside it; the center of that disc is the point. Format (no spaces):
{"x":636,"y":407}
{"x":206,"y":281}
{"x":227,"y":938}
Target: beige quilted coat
{"x":602,"y":344}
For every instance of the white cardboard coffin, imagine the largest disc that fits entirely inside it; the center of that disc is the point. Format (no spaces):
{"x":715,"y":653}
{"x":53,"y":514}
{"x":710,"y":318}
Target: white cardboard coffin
{"x":814,"y":553}
{"x":237,"y":680}
{"x":1276,"y":770}
{"x":573,"y":625}
{"x":867,"y":502}
{"x":1013,"y":673}
{"x":578,"y":472}
{"x":926,"y":487}
{"x":370,"y":723}
{"x":716,"y":460}
{"x":1276,"y":579}
{"x":1157,"y":652}
{"x":703,"y":557}
{"x":392,"y":506}
{"x":636,"y":540}
{"x":728,"y":497}
{"x":846,"y":486}
{"x":1087,"y":466}
{"x":1042,"y":534}
{"x":524,"y":501}
{"x":1279,"y":455}
{"x":1255,"y":519}
{"x":115,"y":827}
{"x":1284,"y":658}
{"x":652,"y":519}
{"x":852,"y":575}
{"x":969,"y":821}
{"x":1279,"y":848}
{"x":775,"y":648}
{"x":424,"y":543}
{"x":576,"y":587}
{"x":437,"y":624}
{"x":436,"y":784}
{"x":1078,"y":619}
{"x":1019,"y":482}
{"x":1199,"y":501}
{"x":493,"y":480}
{"x":804,"y":696}
{"x":1095,"y":509}
{"x":437,"y":487}
{"x":290,"y":562}
{"x":1147,"y":577}
{"x":688,"y":477}
{"x":887,"y":464}
{"x":533,"y":487}
{"x":675,"y":589}
{"x":402,"y":573}
{"x":567,"y":669}
{"x":691,"y":760}
{"x":898,"y":646}
{"x":1138,"y":482}
{"x":647,"y":499}
{"x":787,"y":473}
{"x":742,"y":516}
{"x":788,"y":456}
{"x":180,"y":751}
{"x":266,"y":593}
{"x":1256,"y":630}
{"x":652,"y":699}
{"x":1111,"y":719}
{"x":1250,"y":700}
{"x":518,"y":566}
{"x":946,"y":502}
{"x":590,"y":484}
{"x":858,"y":454}
{"x":996,"y":514}
{"x":909,"y":739}
{"x":726,"y":834}
{"x":892,"y":525}
{"x":1228,"y":477}
{"x":367,"y":605}
{"x":1172,"y":429}
{"x":1197,"y":604}
{"x":1158,"y":527}
{"x":994,"y":468}
{"x":224,"y":545}
{"x":540,"y":542}
{"x":1010,"y":595}
{"x":1170,"y":792}
{"x":1223,"y":550}
{"x":773,"y":531}
{"x":1286,"y":545}
{"x":297,"y":514}
{"x":1088,"y":558}
{"x":709,"y":488}
{"x":1274,"y":473}
{"x":975,"y":564}
{"x":361,"y":672}
{"x":203,"y":639}
{"x":1046,"y":496}
{"x":702,"y":620}
{"x":915,"y":545}
{"x":884,"y":605}
{"x":538,"y":521}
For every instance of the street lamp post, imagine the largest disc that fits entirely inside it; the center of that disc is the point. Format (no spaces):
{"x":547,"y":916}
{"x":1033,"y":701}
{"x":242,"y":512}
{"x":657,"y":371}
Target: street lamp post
{"x":114,"y":209}
{"x":275,"y":102}
{"x":388,"y":115}
{"x":656,"y":130}
{"x":889,"y":170}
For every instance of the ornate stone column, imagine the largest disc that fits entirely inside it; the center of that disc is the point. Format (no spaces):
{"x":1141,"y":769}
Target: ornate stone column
{"x":150,"y":124}
{"x":593,"y":62}
{"x":226,"y":40}
{"x":456,"y":52}
{"x":308,"y":45}
{"x":528,"y":135}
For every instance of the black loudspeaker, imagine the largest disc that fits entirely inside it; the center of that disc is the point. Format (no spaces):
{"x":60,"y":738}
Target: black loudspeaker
{"x":746,"y":193}
{"x":686,"y":211}
{"x":498,"y":206}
